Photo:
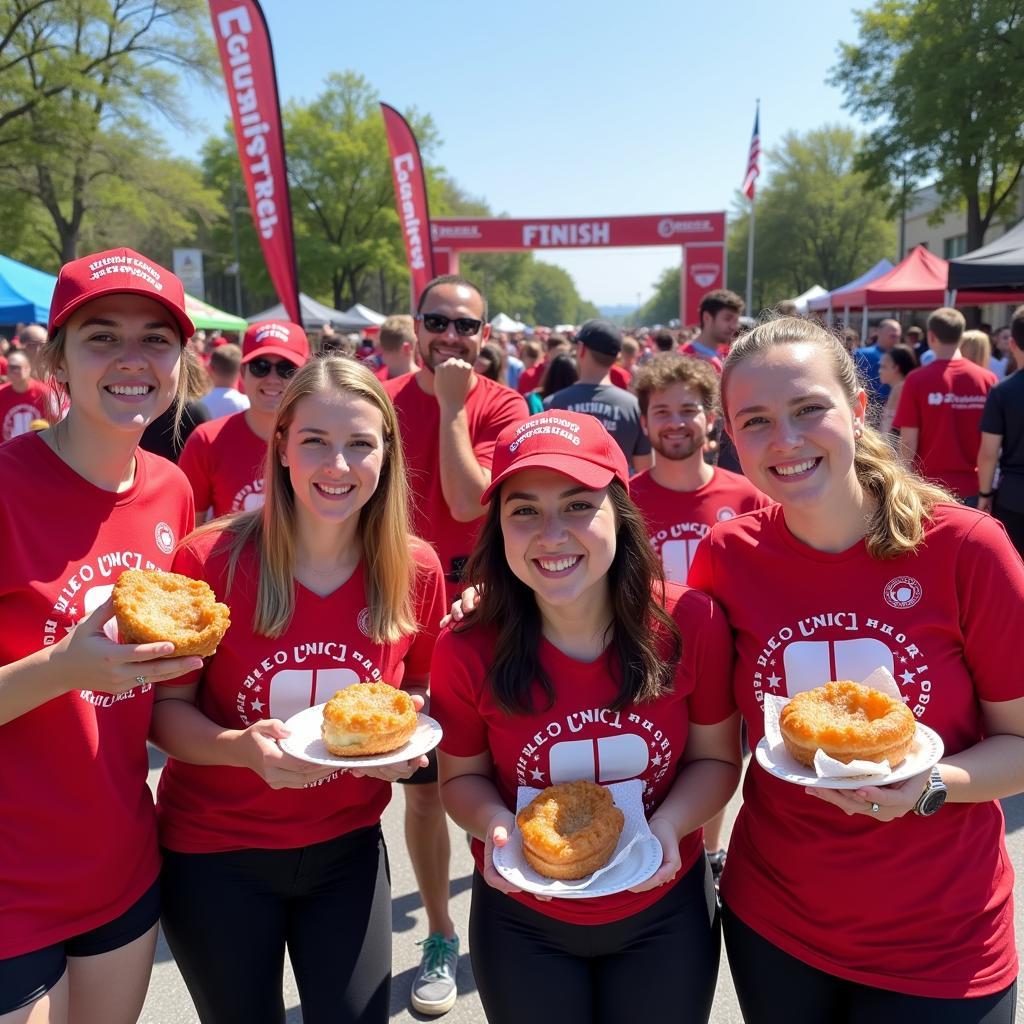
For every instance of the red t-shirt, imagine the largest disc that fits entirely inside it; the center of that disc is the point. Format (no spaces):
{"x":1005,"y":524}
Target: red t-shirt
{"x":620,"y":377}
{"x":17,"y":411}
{"x":579,"y":738}
{"x":677,"y":520}
{"x":224,"y":461}
{"x":79,"y":837}
{"x":917,"y":905}
{"x":944,"y":401}
{"x":530,"y":378}
{"x":490,"y":407}
{"x":212,"y":808}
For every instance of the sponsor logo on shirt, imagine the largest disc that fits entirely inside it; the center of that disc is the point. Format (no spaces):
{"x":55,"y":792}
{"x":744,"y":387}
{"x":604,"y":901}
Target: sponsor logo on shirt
{"x":902,"y":592}
{"x":164,"y":538}
{"x":363,"y":622}
{"x":18,"y":420}
{"x":633,"y":747}
{"x":842,"y":645}
{"x":966,"y":402}
{"x":249,"y":497}
{"x":725,"y":513}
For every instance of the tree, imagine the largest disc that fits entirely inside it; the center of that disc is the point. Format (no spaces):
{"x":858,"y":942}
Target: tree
{"x":81,"y":80}
{"x":816,"y":222}
{"x":663,"y":306}
{"x":944,"y":82}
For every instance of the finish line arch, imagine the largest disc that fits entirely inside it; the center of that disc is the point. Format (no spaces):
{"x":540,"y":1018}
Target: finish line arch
{"x":700,"y":237}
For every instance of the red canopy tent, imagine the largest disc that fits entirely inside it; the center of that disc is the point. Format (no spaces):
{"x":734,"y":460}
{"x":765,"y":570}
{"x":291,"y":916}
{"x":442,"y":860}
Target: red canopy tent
{"x":918,"y":282}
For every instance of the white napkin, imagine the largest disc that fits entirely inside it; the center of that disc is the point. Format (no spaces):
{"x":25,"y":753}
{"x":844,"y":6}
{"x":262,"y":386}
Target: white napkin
{"x":826,"y":767}
{"x":628,"y":797}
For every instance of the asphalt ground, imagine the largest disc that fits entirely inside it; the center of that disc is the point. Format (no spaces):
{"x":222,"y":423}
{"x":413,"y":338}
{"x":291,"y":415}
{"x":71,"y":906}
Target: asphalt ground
{"x":168,"y":1001}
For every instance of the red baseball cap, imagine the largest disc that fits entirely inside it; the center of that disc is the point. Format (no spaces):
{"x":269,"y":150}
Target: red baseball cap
{"x":117,"y":270}
{"x":276,"y":338}
{"x":567,"y":442}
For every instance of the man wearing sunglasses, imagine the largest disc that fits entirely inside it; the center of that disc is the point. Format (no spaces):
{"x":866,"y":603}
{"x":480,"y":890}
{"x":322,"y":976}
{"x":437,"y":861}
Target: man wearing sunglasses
{"x":450,"y":418}
{"x":223,"y":459}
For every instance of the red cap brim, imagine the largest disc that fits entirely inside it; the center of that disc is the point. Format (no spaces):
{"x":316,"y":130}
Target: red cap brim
{"x":581,"y":470}
{"x":180,"y":316}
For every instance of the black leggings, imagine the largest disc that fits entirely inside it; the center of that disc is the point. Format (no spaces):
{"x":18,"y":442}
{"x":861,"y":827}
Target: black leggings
{"x":776,"y":988}
{"x":229,"y":916}
{"x":532,"y":968}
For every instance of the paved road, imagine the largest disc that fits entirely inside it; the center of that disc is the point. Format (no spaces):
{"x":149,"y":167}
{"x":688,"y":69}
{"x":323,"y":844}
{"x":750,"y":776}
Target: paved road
{"x":168,"y":1001}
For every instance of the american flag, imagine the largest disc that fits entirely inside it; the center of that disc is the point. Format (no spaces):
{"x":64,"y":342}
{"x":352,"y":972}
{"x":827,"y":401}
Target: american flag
{"x":752,"y":159}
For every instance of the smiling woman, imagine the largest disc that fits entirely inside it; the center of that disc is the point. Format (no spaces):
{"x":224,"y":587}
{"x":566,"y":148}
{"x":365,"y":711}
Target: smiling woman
{"x":863,"y":565}
{"x":581,"y":663}
{"x":265,"y":851}
{"x":79,"y":880}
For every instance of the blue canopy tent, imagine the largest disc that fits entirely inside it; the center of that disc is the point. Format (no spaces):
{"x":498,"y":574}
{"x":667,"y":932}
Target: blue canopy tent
{"x":25,"y":293}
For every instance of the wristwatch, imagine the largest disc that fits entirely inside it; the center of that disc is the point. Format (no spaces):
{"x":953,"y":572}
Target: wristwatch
{"x":933,"y":797}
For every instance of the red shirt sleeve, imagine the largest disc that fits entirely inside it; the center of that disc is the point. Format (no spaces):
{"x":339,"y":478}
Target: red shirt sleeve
{"x":907,"y":412}
{"x":453,"y":697}
{"x":430,"y":609}
{"x":194,"y":463}
{"x":708,"y":653}
{"x":990,"y":582}
{"x":504,"y":407}
{"x":701,"y":575}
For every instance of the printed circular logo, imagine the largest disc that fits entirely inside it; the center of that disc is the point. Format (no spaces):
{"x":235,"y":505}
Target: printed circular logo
{"x":725,"y":513}
{"x":363,"y":622}
{"x":903,"y":592}
{"x":164,"y":538}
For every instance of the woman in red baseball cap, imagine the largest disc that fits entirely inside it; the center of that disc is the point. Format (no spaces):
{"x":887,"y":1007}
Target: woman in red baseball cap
{"x":79,"y":861}
{"x":890,"y":901}
{"x":580,"y":662}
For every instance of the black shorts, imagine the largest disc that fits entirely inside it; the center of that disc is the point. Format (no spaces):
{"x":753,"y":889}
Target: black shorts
{"x":28,"y":977}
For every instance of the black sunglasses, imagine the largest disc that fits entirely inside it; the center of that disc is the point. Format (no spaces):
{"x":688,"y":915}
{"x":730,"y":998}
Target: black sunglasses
{"x":436,"y":323}
{"x":262,"y":367}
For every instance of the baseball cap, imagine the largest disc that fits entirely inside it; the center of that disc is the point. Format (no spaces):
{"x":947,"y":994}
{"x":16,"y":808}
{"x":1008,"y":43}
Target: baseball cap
{"x":600,"y":336}
{"x":276,"y":338}
{"x":572,"y":443}
{"x":117,"y":270}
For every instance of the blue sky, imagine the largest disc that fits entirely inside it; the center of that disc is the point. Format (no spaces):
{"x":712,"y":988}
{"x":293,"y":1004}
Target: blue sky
{"x":570,"y":108}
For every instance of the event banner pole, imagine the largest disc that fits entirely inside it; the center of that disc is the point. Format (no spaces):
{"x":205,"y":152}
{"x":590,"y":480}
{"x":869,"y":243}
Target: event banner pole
{"x":248,"y":61}
{"x":410,"y":199}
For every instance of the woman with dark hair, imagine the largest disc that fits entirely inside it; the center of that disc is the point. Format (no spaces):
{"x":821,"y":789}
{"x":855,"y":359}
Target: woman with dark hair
{"x":490,"y":362}
{"x":893,"y":370}
{"x":561,"y":372}
{"x":580,"y":662}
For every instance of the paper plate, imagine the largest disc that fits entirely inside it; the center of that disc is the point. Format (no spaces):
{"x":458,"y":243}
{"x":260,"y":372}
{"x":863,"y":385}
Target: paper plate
{"x":306,"y":743}
{"x":926,"y":751}
{"x":637,"y":855}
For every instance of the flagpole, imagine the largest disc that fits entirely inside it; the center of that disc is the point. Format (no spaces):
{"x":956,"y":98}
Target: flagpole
{"x":750,"y":262}
{"x":752,"y":165}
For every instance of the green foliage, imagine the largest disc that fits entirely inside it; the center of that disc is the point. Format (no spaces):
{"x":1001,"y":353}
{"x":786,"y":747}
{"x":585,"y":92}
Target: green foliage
{"x":942,"y":82}
{"x":79,"y":82}
{"x":815,"y":221}
{"x":663,"y":306}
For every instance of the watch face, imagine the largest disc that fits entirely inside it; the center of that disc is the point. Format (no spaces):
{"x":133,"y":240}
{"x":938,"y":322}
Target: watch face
{"x":932,"y":801}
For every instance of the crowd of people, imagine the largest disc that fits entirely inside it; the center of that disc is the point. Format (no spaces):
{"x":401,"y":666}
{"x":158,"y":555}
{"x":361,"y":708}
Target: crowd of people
{"x":639,"y":536}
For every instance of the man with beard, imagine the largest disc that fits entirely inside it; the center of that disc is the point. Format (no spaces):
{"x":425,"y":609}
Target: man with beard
{"x":450,"y":418}
{"x":681,"y":496}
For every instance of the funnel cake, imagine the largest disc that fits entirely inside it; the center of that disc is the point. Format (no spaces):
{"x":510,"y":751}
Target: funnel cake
{"x":849,"y":722}
{"x":570,"y":830}
{"x":153,"y":606}
{"x":368,"y":718}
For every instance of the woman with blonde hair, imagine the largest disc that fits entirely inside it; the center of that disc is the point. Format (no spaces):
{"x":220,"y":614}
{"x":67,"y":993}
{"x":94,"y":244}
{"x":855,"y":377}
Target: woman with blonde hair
{"x":883,"y":903}
{"x":327,"y":589}
{"x":80,"y":501}
{"x":976,"y":346}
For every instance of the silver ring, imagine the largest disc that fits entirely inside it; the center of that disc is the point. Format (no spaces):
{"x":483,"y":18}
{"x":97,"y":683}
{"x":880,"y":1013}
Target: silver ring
{"x":874,"y":808}
{"x":141,"y":680}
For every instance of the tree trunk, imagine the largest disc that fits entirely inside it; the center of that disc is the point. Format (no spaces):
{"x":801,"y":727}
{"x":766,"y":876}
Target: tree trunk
{"x":975,"y":226}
